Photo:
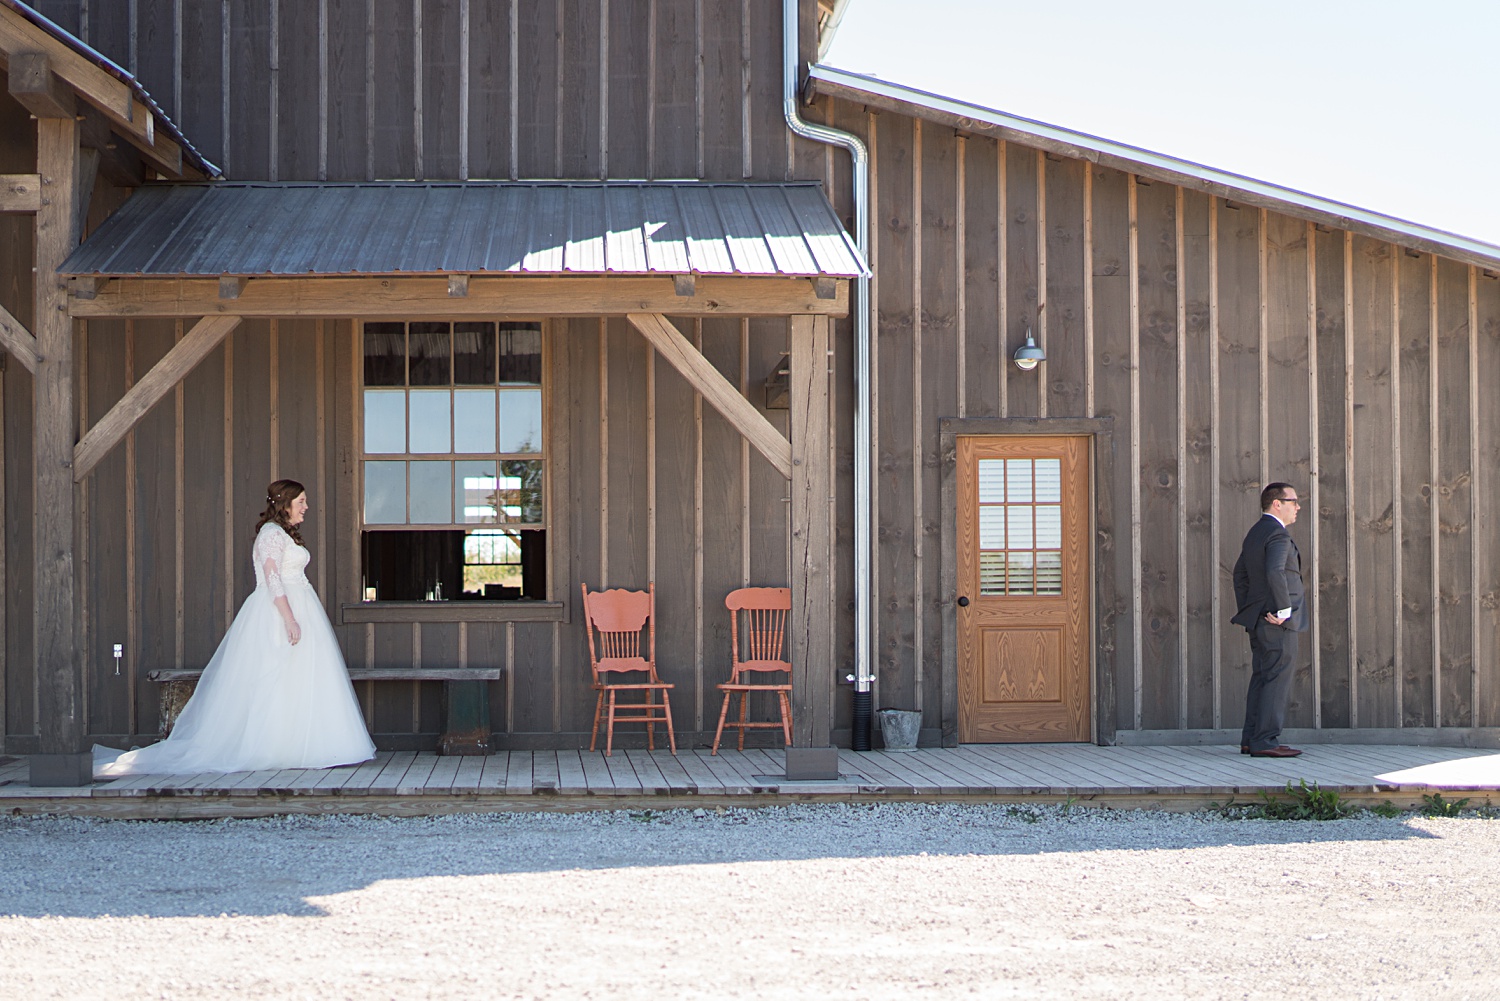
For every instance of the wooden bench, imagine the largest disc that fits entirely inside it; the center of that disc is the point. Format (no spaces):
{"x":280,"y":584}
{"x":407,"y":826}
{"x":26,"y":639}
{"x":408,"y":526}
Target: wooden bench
{"x":466,"y":703}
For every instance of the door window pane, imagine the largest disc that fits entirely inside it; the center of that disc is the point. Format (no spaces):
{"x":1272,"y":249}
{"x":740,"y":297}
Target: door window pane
{"x":1049,"y":573}
{"x":1018,"y":573}
{"x":1018,"y":527}
{"x":431,"y":493}
{"x":1018,"y":481}
{"x":473,"y":354}
{"x":991,"y":481}
{"x":385,"y":354}
{"x":430,"y":421}
{"x":1048,"y":526}
{"x":520,"y":420}
{"x":992,"y":528}
{"x":1049,"y":481}
{"x":429,"y":350}
{"x":473,"y":420}
{"x":991,"y":573}
{"x":385,"y":421}
{"x":477,"y":486}
{"x":385,"y":493}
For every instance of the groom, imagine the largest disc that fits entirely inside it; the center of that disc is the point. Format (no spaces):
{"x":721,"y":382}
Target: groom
{"x":1268,"y":591}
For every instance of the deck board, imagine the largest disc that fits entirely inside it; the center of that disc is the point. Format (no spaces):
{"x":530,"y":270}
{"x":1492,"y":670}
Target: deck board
{"x":635,"y":778}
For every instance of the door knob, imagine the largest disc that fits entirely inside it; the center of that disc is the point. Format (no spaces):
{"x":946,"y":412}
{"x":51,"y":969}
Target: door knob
{"x":963,"y":602}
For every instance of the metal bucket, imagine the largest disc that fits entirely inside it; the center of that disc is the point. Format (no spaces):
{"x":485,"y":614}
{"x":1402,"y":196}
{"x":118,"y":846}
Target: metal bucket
{"x":900,"y":728}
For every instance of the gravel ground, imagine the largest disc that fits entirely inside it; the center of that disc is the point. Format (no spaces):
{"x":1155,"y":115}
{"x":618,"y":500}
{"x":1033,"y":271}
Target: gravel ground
{"x":815,"y":901}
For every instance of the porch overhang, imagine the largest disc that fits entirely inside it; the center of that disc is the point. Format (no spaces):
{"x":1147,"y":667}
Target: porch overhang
{"x":467,"y":249}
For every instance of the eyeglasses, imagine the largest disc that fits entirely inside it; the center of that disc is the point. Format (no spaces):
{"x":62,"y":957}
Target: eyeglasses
{"x":1290,"y":500}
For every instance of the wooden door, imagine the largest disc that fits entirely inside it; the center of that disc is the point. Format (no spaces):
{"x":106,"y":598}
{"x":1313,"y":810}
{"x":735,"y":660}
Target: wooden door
{"x":1023,"y":566}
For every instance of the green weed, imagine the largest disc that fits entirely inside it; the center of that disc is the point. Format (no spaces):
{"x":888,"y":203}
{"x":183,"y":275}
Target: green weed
{"x":1302,"y":802}
{"x":1387,"y":810}
{"x":1436,"y":806}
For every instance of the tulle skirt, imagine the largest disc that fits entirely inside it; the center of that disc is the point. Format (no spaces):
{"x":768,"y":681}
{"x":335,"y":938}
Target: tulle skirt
{"x":261,"y":702}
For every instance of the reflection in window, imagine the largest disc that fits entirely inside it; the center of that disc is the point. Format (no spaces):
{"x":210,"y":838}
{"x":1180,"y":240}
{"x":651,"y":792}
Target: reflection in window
{"x":1020,"y":526}
{"x":453,"y":440}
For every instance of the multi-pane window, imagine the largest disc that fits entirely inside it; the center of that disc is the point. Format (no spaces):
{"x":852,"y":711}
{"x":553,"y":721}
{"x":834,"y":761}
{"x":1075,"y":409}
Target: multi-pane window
{"x":453,"y":448}
{"x":1020,"y":526}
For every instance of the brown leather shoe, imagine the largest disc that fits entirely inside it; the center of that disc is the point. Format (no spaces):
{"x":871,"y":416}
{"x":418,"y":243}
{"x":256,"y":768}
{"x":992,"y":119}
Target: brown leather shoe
{"x":1244,"y":748}
{"x":1276,"y":752}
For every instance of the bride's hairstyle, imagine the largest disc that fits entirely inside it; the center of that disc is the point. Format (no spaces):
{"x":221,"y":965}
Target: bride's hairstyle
{"x":279,"y":497}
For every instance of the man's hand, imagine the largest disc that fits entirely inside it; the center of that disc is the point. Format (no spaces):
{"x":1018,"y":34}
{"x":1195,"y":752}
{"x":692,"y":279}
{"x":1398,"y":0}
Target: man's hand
{"x":1276,"y":621}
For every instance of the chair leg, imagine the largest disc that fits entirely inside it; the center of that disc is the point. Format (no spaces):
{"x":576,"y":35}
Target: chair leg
{"x":598,"y":707}
{"x":609,"y":733}
{"x":786,"y":717}
{"x":744,"y":704}
{"x":723,"y":714}
{"x":666,"y":704}
{"x":651,"y":718}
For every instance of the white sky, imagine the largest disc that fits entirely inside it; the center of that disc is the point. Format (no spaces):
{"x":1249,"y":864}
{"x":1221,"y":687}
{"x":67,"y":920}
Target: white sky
{"x":1388,"y":105}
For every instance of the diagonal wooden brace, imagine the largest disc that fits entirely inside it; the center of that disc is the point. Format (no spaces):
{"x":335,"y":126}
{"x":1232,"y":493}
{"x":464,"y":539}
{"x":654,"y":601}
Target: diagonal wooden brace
{"x":199,"y":342}
{"x":17,"y":340}
{"x":717,"y":390}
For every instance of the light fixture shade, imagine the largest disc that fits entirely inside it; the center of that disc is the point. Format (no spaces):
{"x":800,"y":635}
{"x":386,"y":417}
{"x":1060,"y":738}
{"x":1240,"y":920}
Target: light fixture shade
{"x":1028,"y":355}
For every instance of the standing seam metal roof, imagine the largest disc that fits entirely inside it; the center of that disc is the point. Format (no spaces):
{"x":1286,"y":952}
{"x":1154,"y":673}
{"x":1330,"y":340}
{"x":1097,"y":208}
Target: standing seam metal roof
{"x":554,"y":227}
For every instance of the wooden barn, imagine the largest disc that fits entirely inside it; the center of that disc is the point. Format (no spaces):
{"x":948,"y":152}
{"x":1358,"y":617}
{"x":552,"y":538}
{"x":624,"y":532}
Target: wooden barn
{"x":535,"y":294}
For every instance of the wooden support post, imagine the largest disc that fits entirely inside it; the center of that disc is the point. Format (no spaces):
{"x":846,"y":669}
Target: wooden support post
{"x":230,"y":286}
{"x":64,"y":759}
{"x":812,"y":548}
{"x":458,"y":286}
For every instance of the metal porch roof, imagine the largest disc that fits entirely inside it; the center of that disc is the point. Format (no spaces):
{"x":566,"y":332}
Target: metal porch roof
{"x":548,"y":227}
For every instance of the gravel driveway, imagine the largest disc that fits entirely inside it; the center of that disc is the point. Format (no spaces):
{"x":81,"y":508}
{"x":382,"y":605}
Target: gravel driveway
{"x":817,"y":901}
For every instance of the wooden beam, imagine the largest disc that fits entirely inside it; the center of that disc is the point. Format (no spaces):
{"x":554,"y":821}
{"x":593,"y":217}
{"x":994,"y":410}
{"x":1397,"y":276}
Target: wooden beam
{"x":20,"y":192}
{"x":812,"y":538}
{"x":39,"y":90}
{"x":231,"y":286}
{"x":128,"y":115}
{"x":60,"y":697}
{"x":458,"y":286}
{"x":377,"y":296}
{"x":716,"y":389}
{"x":685,"y":285}
{"x":16,"y":339}
{"x":149,"y":390}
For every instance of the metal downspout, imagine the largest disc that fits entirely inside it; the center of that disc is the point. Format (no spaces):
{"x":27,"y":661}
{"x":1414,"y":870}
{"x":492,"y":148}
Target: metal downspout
{"x":863,"y":673}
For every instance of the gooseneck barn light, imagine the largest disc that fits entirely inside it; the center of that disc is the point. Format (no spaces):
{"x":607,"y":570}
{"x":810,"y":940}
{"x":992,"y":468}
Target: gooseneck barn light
{"x":1028,"y":355}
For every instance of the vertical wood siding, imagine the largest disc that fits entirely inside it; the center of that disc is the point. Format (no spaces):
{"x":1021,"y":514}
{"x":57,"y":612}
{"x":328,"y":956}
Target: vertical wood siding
{"x":1228,"y":344}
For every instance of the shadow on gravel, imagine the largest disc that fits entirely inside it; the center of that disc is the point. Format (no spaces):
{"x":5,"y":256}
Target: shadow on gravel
{"x":66,"y":867}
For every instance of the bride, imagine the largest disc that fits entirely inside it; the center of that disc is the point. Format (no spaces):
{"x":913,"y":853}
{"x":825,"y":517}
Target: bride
{"x":276,"y":693}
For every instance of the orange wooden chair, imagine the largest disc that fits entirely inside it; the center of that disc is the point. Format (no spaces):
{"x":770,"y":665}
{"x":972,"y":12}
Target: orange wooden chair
{"x":764,"y":611}
{"x":619,"y":617}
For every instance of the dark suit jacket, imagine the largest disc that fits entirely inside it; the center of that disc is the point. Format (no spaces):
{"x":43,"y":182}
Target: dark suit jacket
{"x":1268,"y":576}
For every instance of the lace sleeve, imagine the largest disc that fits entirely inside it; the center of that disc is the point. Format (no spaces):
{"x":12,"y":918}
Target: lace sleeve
{"x":269,"y":549}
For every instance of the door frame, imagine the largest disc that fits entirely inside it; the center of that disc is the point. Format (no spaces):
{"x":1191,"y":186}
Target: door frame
{"x":1103,"y":647}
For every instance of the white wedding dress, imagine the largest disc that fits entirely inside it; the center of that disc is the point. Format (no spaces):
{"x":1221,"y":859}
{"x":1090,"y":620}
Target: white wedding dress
{"x":263,"y":702}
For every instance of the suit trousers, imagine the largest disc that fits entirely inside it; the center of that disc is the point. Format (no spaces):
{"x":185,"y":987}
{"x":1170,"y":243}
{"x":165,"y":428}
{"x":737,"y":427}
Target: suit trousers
{"x":1273,"y":659}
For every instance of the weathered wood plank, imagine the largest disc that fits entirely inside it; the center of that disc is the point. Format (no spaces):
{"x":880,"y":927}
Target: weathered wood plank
{"x":1157,"y":400}
{"x":1198,"y":558}
{"x":1023,"y":389}
{"x":17,"y":340}
{"x":1372,"y":490}
{"x":393,"y":99}
{"x":1111,"y":283}
{"x":536,"y":76}
{"x":1455,"y":497}
{"x":248,"y":49}
{"x":1239,"y":431}
{"x":983,"y":356}
{"x":1417,"y":487}
{"x":440,"y":107}
{"x":1484,"y":318}
{"x":1333,"y":485}
{"x":348,"y":98}
{"x":581,"y":142}
{"x":672,"y":511}
{"x":1287,"y":446}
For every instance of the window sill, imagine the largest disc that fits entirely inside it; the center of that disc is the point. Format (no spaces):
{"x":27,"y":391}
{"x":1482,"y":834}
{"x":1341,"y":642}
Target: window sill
{"x":452,"y":611}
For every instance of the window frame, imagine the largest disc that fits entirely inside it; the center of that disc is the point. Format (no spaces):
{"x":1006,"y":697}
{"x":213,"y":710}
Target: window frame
{"x":555,"y":608}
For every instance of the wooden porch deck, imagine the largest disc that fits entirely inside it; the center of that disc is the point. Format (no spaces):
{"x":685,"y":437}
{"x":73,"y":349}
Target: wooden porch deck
{"x":408,"y":783}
